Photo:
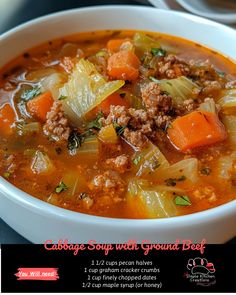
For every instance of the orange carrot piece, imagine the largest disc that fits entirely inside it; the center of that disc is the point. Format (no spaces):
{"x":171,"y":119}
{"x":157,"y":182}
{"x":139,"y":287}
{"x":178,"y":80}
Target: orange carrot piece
{"x":114,"y":44}
{"x":7,"y":118}
{"x":40,"y":105}
{"x":123,"y":65}
{"x":198,"y":128}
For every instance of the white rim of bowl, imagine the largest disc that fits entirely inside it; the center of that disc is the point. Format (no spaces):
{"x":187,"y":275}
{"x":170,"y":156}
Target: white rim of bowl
{"x":43,"y":208}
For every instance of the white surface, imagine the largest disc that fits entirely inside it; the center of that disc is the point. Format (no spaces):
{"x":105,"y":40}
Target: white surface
{"x":39,"y":221}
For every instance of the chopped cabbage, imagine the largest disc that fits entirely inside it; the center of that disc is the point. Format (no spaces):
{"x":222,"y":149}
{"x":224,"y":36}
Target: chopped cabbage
{"x":53,"y":83}
{"x":187,"y":168}
{"x":180,"y":88}
{"x":230,"y":124}
{"x":42,"y":164}
{"x":226,"y":165}
{"x":144,"y":43}
{"x":149,"y":161}
{"x":156,"y":202}
{"x":85,"y":89}
{"x":90,"y":146}
{"x":209,"y":106}
{"x":228,"y":101}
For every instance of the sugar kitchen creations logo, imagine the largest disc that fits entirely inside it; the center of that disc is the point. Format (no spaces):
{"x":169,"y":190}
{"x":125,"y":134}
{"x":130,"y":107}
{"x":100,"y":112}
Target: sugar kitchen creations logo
{"x":201,"y":272}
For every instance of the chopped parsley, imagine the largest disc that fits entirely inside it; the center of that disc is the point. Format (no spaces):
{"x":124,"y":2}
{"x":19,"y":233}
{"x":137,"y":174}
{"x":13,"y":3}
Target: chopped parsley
{"x":30,"y":93}
{"x":61,"y":187}
{"x":6,"y":174}
{"x":62,"y":97}
{"x":221,"y":74}
{"x":206,"y":171}
{"x":182,"y":201}
{"x":119,"y":129}
{"x":96,"y":124}
{"x":137,"y":160}
{"x":173,"y":181}
{"x":75,"y":140}
{"x":158,"y":52}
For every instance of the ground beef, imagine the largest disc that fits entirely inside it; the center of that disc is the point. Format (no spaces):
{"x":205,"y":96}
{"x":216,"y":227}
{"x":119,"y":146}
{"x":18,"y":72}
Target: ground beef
{"x":163,"y":121}
{"x":56,"y":125}
{"x":206,"y":192}
{"x":230,"y":85}
{"x":108,"y":182}
{"x":120,"y":163}
{"x":171,"y":67}
{"x":119,"y":115}
{"x":211,"y":87}
{"x":135,"y":138}
{"x":156,"y":99}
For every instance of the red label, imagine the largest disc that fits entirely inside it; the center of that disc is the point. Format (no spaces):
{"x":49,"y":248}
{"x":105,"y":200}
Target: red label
{"x":37,"y":273}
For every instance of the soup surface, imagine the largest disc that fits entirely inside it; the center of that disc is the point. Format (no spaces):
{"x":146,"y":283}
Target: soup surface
{"x":120,"y":124}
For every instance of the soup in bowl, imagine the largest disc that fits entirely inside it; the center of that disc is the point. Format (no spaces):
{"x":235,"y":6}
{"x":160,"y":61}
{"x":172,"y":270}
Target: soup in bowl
{"x":126,"y":124}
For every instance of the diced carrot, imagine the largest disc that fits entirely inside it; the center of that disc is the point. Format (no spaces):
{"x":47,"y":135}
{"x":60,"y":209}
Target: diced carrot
{"x":123,"y":65}
{"x":114,"y":44}
{"x":40,"y":105}
{"x":7,"y":118}
{"x":198,"y":128}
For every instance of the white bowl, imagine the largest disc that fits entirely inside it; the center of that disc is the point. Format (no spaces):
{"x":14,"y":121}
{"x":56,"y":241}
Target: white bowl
{"x":39,"y":221}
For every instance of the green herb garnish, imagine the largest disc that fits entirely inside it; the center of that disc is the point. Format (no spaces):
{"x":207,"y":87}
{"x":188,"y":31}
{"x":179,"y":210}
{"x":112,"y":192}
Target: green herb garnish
{"x":182,"y":201}
{"x":206,"y":171}
{"x":96,"y":124}
{"x":30,"y":93}
{"x":62,"y":97}
{"x":119,"y":129}
{"x":137,"y":160}
{"x":221,"y":74}
{"x":6,"y":174}
{"x":158,"y":52}
{"x":75,"y":140}
{"x":61,"y":187}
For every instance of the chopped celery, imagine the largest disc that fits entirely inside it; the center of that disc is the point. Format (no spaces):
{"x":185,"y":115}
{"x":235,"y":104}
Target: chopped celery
{"x":187,"y":169}
{"x":228,"y":101}
{"x":150,"y":161}
{"x":157,"y":202}
{"x":230,"y":124}
{"x":144,"y":43}
{"x":108,"y":134}
{"x":42,"y":164}
{"x":85,"y":89}
{"x":225,"y":166}
{"x":75,"y":182}
{"x":53,"y":83}
{"x":27,"y":128}
{"x":90,"y":146}
{"x":209,"y":106}
{"x":180,"y":88}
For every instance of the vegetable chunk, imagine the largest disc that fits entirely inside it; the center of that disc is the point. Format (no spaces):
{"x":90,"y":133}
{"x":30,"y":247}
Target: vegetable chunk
{"x":196,"y":129}
{"x":7,"y":118}
{"x":123,"y":65}
{"x":40,"y":105}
